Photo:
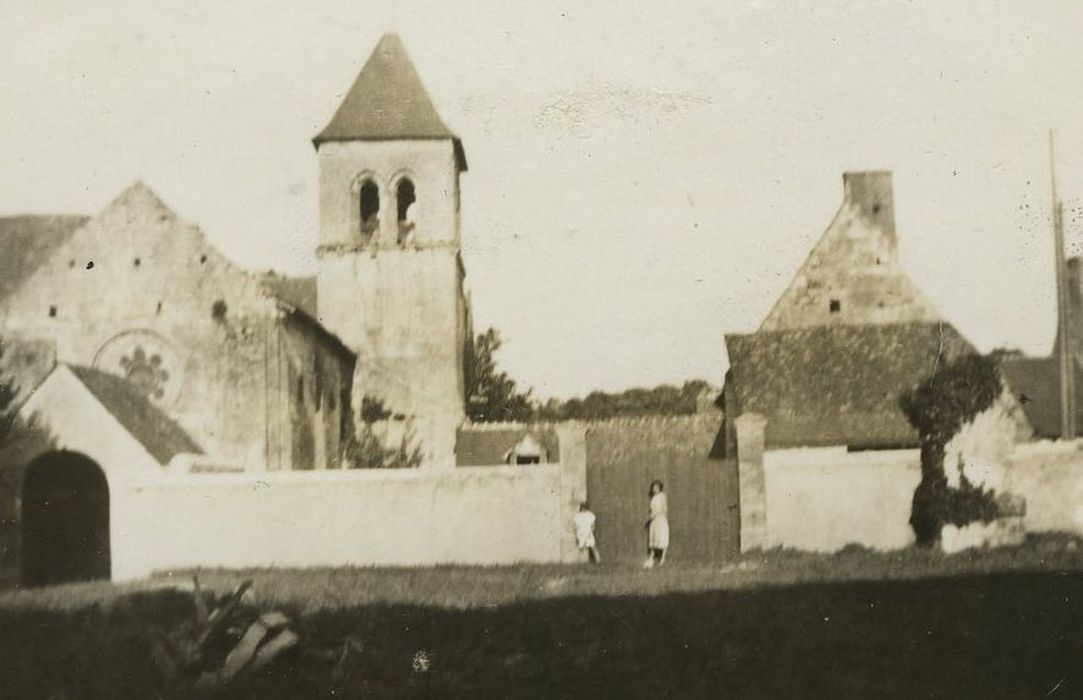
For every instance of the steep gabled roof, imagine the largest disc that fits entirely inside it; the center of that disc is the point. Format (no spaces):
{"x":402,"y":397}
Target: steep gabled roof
{"x":1035,"y":383}
{"x":28,"y":241}
{"x":388,"y":102}
{"x":836,"y":385}
{"x":144,"y":421}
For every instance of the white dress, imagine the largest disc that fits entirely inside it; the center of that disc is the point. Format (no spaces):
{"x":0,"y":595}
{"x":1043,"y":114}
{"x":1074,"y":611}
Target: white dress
{"x":584,"y":528}
{"x":658,"y":532}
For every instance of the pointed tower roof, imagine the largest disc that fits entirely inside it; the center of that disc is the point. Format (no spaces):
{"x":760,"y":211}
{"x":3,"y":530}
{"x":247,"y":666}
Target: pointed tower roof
{"x":388,"y":102}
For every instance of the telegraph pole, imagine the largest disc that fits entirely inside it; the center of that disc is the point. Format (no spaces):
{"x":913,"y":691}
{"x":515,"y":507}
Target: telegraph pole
{"x":1065,"y":352}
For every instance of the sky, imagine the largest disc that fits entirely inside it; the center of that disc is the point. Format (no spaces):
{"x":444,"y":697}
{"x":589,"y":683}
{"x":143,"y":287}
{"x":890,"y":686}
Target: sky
{"x":644,"y":177}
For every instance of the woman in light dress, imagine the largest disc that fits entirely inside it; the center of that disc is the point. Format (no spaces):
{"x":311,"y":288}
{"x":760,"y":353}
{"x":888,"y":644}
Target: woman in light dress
{"x":657,"y":526}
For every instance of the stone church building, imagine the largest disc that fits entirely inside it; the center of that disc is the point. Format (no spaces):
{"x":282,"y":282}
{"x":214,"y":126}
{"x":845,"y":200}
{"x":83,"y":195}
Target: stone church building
{"x":158,"y":374}
{"x":260,"y":371}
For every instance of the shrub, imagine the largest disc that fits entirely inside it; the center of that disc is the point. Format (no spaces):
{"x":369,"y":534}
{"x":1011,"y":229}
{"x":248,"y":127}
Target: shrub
{"x":938,"y":408}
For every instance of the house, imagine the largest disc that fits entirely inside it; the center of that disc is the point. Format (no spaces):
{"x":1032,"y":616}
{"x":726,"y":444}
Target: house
{"x":813,"y":400}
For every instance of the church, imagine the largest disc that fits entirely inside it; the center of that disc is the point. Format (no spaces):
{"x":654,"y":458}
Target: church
{"x":158,"y":376}
{"x":256,"y":370}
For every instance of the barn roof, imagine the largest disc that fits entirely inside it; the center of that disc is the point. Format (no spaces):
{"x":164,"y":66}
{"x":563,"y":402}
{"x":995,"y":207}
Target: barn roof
{"x":1035,"y":383}
{"x":837,"y":385}
{"x":488,"y":444}
{"x":26,"y":242}
{"x":388,"y":102}
{"x":143,"y":420}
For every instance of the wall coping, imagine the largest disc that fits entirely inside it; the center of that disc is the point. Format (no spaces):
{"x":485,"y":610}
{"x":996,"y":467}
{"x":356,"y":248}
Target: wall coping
{"x":345,"y":476}
{"x":653,"y":419}
{"x":816,"y":455}
{"x":1047,"y":447}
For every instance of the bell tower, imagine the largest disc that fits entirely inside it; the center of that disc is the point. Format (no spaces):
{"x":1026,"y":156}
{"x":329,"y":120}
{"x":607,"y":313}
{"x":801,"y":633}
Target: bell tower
{"x":390,"y":279}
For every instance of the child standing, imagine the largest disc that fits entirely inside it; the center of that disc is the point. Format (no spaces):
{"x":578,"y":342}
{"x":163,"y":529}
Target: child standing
{"x":584,"y":532}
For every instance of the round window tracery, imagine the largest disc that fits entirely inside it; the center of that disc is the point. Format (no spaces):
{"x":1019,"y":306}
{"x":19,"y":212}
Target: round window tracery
{"x":148,"y":361}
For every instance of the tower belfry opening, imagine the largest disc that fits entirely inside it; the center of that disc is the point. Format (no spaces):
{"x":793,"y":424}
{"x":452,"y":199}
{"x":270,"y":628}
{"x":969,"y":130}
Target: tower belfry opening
{"x":369,"y":202}
{"x":405,"y":198}
{"x":400,"y":305}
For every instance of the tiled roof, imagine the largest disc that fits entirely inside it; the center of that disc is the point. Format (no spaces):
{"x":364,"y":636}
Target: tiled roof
{"x":147,"y":423}
{"x":1035,"y":383}
{"x":388,"y":102}
{"x":836,"y":385}
{"x":26,"y":242}
{"x":299,"y":292}
{"x":486,"y":446}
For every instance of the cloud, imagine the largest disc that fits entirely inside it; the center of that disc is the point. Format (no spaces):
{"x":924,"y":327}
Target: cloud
{"x":576,"y":111}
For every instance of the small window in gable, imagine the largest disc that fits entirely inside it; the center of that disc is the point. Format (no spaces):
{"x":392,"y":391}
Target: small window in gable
{"x":52,"y":312}
{"x":835,"y":306}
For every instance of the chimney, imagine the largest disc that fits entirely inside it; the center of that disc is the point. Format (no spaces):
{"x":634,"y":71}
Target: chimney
{"x":870,"y":193}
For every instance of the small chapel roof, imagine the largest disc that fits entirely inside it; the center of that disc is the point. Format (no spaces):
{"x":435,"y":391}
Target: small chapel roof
{"x":388,"y":102}
{"x":144,"y":421}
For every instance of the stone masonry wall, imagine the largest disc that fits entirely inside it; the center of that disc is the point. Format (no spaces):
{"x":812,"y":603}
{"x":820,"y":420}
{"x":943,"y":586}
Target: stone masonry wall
{"x":853,"y":274}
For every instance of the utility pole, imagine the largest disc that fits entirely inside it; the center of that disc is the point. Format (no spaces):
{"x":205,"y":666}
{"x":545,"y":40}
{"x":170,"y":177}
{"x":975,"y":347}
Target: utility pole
{"x":1065,"y":351}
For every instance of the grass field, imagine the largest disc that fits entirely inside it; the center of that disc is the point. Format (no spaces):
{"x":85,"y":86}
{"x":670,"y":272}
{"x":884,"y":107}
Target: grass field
{"x":1000,"y":624}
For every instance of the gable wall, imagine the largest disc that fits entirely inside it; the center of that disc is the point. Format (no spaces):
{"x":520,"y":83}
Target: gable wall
{"x":855,"y":263}
{"x":217,"y":380}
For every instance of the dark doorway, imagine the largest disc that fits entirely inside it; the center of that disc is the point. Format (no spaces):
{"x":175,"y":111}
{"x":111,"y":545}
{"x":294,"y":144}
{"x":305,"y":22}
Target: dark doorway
{"x":65,"y":520}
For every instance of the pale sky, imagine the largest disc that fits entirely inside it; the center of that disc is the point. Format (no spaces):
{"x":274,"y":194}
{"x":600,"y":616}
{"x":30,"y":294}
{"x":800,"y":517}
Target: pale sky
{"x":643,"y":177}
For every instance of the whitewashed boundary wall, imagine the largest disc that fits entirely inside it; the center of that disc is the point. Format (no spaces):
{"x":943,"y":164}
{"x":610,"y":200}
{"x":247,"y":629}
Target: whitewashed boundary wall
{"x":1049,"y":475}
{"x":480,"y":516}
{"x":822,"y":499}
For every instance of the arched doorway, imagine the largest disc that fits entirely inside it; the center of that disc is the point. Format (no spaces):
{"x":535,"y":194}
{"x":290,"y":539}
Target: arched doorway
{"x":65,"y":520}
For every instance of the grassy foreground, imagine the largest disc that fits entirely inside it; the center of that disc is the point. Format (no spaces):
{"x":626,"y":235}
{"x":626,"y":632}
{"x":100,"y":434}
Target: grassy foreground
{"x":1000,"y":624}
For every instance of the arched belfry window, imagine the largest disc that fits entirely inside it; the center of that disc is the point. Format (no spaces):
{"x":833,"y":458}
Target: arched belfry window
{"x":406,"y":200}
{"x":369,"y":202}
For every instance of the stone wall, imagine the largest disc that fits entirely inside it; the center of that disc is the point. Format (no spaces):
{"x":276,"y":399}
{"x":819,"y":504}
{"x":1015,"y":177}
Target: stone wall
{"x":822,"y":499}
{"x":399,"y":310}
{"x":309,"y":396}
{"x":853,"y":274}
{"x":415,"y":517}
{"x":1049,"y":475}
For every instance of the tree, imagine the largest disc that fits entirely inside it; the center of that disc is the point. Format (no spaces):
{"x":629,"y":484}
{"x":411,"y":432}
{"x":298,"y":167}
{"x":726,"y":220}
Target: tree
{"x":938,"y":408}
{"x":663,"y":400}
{"x":366,"y":450}
{"x":492,"y":395}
